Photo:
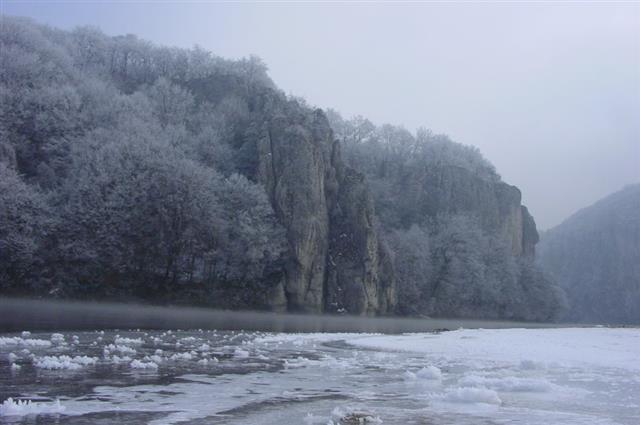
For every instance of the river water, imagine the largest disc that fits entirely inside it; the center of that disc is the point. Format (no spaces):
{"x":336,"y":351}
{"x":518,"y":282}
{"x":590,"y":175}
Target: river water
{"x":213,"y":376}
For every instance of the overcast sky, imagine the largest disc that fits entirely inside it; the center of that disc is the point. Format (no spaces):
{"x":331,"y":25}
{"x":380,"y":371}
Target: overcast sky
{"x":549,"y":92}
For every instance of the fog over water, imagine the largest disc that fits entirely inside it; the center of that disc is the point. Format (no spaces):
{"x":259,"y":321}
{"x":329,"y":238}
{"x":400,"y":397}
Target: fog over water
{"x":20,"y":314}
{"x":549,"y":92}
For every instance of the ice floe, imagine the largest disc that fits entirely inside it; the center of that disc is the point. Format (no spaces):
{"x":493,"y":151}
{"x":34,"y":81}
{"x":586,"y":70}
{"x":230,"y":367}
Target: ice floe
{"x":57,"y":338}
{"x":508,"y":383}
{"x":471,"y":395}
{"x":11,"y":407}
{"x":122,"y":349}
{"x":64,"y":362}
{"x":429,"y":373}
{"x":127,"y":341}
{"x":25,"y":342}
{"x":603,"y":347}
{"x":137,"y":364}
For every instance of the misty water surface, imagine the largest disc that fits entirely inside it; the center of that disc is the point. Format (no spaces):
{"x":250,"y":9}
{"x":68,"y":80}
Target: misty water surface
{"x":26,"y":314}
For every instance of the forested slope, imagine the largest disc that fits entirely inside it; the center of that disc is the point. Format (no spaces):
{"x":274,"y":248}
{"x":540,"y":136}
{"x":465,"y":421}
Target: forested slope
{"x":595,"y":256}
{"x":462,"y":243}
{"x":133,"y":171}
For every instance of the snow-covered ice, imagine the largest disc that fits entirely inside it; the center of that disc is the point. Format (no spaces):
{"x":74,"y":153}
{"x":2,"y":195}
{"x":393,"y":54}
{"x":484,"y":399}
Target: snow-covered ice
{"x":598,"y":347}
{"x":471,"y":395}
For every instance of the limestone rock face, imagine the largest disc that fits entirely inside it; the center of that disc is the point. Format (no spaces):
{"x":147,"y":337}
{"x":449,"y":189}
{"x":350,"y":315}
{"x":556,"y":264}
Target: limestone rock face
{"x":335,"y":260}
{"x":530,"y":235}
{"x":447,"y":189}
{"x":360,"y":276}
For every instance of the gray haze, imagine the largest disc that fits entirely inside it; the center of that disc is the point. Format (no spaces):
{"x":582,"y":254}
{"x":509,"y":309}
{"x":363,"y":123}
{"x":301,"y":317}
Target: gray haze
{"x":549,"y":92}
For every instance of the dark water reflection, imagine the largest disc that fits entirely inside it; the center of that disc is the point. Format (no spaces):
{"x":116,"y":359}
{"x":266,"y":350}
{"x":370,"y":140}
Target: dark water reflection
{"x":20,"y":314}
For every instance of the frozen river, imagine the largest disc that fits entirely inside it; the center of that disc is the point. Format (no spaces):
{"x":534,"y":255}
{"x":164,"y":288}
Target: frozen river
{"x":482,"y":376}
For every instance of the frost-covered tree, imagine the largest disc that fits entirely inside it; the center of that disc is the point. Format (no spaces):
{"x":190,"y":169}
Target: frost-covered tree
{"x":144,"y":162}
{"x":23,"y":225}
{"x":411,"y":256}
{"x":172,"y":105}
{"x":426,"y":181}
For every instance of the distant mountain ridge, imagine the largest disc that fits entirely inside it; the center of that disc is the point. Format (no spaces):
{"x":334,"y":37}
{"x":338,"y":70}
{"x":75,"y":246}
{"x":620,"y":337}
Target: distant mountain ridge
{"x":595,"y":257}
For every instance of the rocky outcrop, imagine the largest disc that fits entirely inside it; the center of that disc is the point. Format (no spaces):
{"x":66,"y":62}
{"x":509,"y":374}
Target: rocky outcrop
{"x":359,"y":277}
{"x":530,"y":235}
{"x":448,"y":189}
{"x":335,"y":261}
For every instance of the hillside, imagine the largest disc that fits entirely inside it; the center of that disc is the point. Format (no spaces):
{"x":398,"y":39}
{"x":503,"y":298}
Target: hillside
{"x":463,"y":245}
{"x":595,"y":256}
{"x":134,"y":171}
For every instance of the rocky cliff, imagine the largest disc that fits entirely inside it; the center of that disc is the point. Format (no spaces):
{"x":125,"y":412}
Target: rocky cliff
{"x":257,"y":202}
{"x":460,"y":241}
{"x":447,"y":189}
{"x":335,"y":263}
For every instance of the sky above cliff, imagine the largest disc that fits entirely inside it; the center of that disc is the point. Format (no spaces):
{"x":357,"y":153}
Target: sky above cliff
{"x":550,"y":93}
